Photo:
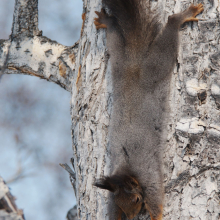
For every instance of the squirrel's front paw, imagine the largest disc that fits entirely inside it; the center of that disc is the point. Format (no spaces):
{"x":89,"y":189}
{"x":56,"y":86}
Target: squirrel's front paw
{"x":99,"y":22}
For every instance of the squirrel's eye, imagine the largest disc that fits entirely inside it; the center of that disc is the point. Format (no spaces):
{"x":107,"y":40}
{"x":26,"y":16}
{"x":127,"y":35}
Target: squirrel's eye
{"x":137,"y":200}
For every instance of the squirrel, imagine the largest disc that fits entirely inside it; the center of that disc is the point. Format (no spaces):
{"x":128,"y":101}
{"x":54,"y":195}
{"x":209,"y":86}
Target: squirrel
{"x":142,"y":56}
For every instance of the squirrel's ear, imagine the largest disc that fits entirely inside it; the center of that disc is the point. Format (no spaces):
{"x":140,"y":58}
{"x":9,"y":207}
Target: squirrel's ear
{"x":131,"y":185}
{"x":131,"y":181}
{"x":105,"y":183}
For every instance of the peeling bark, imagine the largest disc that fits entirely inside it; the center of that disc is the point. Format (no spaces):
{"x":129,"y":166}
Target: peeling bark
{"x":191,"y":155}
{"x":192,"y":162}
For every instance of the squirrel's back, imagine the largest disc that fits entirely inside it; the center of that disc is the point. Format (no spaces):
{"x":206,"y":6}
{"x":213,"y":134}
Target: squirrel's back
{"x":136,"y":118}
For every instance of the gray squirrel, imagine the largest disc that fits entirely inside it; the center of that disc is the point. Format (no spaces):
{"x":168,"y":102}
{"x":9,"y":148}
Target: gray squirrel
{"x":142,"y":56}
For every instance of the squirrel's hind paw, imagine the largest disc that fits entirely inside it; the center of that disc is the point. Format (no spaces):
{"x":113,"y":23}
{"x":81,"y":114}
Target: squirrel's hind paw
{"x":99,"y":22}
{"x":194,"y":11}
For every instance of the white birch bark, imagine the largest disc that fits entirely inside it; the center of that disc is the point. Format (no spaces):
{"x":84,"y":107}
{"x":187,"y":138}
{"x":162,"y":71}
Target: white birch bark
{"x":192,"y":155}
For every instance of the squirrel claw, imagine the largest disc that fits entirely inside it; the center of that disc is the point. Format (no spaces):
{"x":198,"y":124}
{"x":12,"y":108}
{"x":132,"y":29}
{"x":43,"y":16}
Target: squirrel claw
{"x":194,"y":10}
{"x":197,"y":9}
{"x":99,"y":21}
{"x":99,"y":25}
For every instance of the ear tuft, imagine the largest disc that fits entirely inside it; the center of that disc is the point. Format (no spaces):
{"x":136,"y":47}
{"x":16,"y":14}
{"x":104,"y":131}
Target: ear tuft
{"x":105,"y":183}
{"x":116,"y":182}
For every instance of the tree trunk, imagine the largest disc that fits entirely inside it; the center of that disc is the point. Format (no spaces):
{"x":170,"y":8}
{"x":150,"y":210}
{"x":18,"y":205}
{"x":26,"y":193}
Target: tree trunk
{"x":191,"y":156}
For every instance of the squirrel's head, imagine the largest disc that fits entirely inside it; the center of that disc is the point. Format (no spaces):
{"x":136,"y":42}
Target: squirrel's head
{"x":127,"y":193}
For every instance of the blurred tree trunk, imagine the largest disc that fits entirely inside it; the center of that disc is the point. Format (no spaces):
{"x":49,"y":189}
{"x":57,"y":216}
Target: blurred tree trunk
{"x":192,"y":155}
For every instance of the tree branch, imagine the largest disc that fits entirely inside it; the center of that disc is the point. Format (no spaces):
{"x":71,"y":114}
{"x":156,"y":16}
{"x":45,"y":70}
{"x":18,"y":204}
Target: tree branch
{"x":29,"y":53}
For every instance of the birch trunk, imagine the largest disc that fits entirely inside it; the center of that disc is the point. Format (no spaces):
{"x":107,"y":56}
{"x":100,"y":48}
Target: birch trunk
{"x":192,"y":155}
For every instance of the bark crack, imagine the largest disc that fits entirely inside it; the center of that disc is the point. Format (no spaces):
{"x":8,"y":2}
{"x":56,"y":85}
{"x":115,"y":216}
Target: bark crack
{"x":185,"y":177}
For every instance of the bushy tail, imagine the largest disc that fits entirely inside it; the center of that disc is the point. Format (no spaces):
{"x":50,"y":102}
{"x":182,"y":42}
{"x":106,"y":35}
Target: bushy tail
{"x":135,"y":19}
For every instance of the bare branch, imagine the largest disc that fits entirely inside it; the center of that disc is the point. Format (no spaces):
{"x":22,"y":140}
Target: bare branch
{"x":71,"y":173}
{"x":27,"y":52}
{"x":41,"y":57}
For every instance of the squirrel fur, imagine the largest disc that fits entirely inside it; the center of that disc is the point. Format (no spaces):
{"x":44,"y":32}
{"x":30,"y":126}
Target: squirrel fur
{"x":142,"y":56}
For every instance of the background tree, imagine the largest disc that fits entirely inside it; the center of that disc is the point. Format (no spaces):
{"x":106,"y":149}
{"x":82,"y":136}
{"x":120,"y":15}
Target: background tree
{"x":191,"y":158}
{"x":35,"y":121}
